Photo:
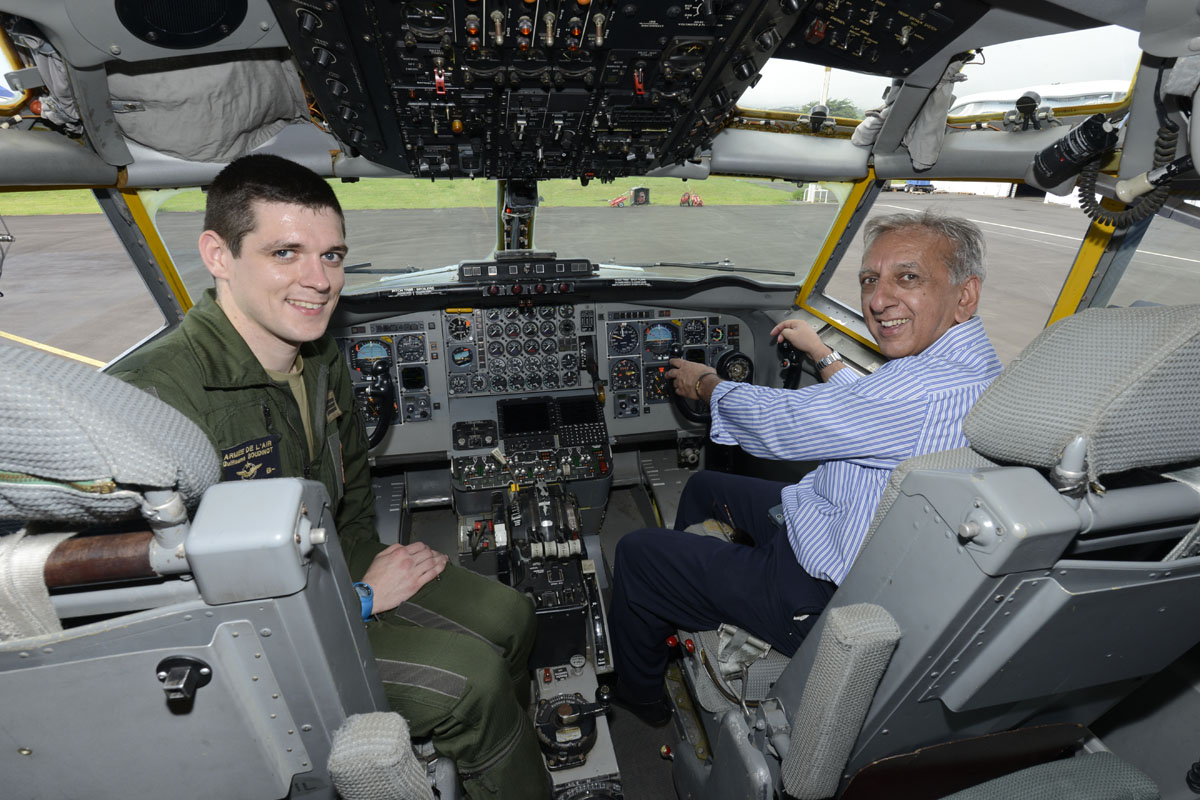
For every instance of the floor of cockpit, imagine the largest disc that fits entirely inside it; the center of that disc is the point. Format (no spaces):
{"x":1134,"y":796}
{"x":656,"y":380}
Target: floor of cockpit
{"x":645,"y":774}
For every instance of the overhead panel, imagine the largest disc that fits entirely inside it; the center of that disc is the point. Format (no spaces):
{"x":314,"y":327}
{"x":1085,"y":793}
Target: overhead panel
{"x":882,"y":38}
{"x":536,"y":90}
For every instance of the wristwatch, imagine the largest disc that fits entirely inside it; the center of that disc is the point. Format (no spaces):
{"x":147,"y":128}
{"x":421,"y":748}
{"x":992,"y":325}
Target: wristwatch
{"x":833,"y":356}
{"x":366,"y":596}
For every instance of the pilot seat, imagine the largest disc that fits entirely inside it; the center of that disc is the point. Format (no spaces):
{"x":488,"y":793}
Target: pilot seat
{"x":1007,"y":595}
{"x":166,"y":635}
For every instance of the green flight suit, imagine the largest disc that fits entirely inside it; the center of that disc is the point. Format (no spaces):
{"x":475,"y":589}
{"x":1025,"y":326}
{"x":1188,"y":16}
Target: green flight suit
{"x":454,"y":656}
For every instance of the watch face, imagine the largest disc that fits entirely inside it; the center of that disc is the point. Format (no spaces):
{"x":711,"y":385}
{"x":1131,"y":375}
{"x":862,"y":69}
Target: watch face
{"x":363,"y":590}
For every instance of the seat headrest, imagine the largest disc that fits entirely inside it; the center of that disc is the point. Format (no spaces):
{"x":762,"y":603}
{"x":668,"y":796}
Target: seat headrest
{"x":77,"y":445}
{"x":1128,"y":379}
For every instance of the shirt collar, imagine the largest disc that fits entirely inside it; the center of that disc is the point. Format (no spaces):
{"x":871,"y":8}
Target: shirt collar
{"x":957,"y":337}
{"x":226,"y":361}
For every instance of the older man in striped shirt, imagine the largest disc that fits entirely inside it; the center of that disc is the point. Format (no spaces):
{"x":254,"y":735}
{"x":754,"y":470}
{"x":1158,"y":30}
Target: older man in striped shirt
{"x":921,"y":278}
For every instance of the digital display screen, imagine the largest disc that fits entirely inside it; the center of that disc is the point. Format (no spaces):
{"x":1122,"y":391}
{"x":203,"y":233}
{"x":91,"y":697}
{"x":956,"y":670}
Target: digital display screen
{"x":523,"y":417}
{"x":578,"y":411}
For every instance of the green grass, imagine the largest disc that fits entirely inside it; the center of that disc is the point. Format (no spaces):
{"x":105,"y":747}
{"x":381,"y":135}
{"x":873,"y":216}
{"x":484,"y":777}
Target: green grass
{"x":379,"y":193}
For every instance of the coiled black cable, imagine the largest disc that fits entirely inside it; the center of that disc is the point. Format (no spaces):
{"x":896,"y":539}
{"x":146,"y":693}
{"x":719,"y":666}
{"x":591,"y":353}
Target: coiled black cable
{"x":1145,"y":206}
{"x":1148,"y":204}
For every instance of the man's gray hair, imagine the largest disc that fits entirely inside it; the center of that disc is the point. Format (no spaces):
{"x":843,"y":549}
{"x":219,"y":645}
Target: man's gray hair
{"x":965,"y":238}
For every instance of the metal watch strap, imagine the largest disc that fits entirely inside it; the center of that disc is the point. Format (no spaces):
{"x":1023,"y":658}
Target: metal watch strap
{"x":833,"y":356}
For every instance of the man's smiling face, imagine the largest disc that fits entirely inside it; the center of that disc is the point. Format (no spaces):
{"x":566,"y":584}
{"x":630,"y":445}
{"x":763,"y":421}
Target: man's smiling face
{"x":908,"y":297}
{"x":282,"y":286}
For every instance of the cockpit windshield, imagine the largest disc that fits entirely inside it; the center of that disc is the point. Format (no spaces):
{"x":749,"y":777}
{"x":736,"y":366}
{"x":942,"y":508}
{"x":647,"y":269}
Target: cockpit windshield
{"x":404,"y":234}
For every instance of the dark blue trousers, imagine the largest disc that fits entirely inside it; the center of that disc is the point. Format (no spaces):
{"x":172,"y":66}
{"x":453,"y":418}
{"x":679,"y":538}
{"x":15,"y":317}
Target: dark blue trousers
{"x":664,"y":580}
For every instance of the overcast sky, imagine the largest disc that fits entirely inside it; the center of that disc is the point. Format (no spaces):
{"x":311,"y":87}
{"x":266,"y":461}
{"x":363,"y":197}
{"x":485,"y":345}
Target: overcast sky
{"x":1104,"y":53}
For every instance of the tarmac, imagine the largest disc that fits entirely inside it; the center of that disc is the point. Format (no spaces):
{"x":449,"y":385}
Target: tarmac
{"x":68,"y":284}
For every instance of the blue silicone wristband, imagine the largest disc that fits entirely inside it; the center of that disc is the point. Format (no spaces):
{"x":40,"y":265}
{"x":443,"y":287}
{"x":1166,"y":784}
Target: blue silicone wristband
{"x":366,"y":598}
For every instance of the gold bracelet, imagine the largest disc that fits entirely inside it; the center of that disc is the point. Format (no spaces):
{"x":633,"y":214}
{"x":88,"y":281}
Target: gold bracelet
{"x":700,"y":380}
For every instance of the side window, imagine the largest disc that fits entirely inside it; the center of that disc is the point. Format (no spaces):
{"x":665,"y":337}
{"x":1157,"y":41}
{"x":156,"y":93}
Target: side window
{"x":68,"y":283}
{"x":1162,"y":271}
{"x":1031,"y":245}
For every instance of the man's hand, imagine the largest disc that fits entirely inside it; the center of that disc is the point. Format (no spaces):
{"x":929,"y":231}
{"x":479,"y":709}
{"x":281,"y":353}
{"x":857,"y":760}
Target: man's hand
{"x":685,"y":375}
{"x":802,"y":337}
{"x":399,"y":571}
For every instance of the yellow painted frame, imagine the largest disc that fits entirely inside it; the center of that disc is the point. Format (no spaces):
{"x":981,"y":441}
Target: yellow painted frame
{"x":853,"y":201}
{"x":1095,"y":243}
{"x":166,"y":265}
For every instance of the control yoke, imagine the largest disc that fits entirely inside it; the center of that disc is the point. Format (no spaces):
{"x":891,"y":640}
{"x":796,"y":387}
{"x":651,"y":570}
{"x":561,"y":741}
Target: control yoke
{"x":381,"y":396}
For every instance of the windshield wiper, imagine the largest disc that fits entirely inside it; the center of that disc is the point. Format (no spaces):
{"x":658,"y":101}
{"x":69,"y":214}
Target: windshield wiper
{"x":724,"y":265}
{"x":366,"y":268}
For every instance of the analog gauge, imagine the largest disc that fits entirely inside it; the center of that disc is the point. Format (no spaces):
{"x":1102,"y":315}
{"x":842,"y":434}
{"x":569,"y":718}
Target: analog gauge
{"x":512,"y":312}
{"x":622,"y":339}
{"x":499,"y":383}
{"x":570,"y":378}
{"x":694,"y":331}
{"x":458,"y":328}
{"x":624,"y":374}
{"x":717,"y":334}
{"x":685,"y":56}
{"x":551,"y":381}
{"x":497,"y":363}
{"x":530,"y":329}
{"x":495,"y":348}
{"x":657,"y":384}
{"x":410,"y":347}
{"x":426,"y":19}
{"x":534,"y":381}
{"x":458,"y":384}
{"x":478,"y":382}
{"x":365,"y":352}
{"x":516,"y":367}
{"x":566,"y":327}
{"x":516,"y":384}
{"x":566,"y":312}
{"x":513,"y":348}
{"x":493,"y":314}
{"x":549,"y":346}
{"x":659,"y":337}
{"x":531,"y":347}
{"x":548,"y":328}
{"x":494,"y":329}
{"x":512,"y":330}
{"x":546,"y":312}
{"x":462,"y":356}
{"x":569,"y":360}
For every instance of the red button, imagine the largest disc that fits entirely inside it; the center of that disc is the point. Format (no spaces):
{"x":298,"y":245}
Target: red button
{"x":689,"y":645}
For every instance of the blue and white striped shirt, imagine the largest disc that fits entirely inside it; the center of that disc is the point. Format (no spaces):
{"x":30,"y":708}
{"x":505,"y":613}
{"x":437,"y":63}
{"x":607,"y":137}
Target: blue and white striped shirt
{"x":861,"y":428}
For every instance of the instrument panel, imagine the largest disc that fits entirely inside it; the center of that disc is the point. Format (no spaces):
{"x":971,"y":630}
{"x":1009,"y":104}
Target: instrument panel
{"x":454,"y":368}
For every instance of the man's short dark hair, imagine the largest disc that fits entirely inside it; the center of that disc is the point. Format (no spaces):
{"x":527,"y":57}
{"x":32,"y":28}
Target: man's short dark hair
{"x":229,"y":210}
{"x":964,"y":236}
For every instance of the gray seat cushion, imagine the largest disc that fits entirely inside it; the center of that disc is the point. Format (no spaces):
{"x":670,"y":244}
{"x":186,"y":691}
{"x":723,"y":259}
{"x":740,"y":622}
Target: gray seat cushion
{"x":80,"y":446}
{"x":1126,"y":378}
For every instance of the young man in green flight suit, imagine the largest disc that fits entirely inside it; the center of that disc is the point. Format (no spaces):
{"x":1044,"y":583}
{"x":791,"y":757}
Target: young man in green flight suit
{"x":253,"y":366}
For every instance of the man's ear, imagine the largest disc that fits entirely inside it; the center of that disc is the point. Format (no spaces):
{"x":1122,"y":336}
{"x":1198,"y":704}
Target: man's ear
{"x":215,"y":255}
{"x":968,"y":298}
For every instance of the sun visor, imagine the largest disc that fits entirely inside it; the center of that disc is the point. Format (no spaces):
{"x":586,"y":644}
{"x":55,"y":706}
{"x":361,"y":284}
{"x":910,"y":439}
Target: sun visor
{"x":206,"y":108}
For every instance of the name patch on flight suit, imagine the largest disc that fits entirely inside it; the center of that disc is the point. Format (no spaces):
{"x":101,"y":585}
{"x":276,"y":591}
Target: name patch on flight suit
{"x":252,"y":460}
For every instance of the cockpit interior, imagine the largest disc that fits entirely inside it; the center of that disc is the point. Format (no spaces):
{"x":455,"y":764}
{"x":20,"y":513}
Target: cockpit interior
{"x":545,"y":202}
